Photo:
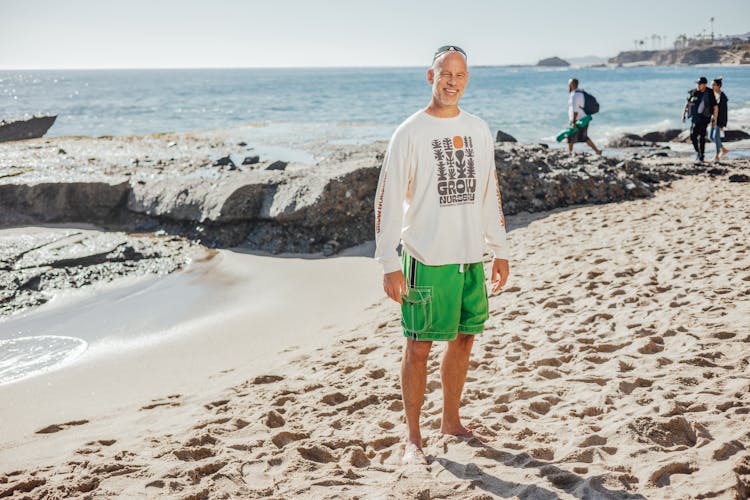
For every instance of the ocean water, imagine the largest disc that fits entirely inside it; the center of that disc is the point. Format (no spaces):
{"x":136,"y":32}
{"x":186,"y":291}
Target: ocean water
{"x":352,"y":105}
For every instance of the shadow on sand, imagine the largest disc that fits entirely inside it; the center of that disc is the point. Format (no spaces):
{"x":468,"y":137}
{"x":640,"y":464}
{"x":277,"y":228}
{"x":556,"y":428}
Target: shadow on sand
{"x":573,"y":484}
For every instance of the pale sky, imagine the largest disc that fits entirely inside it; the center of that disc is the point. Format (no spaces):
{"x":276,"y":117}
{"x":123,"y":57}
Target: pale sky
{"x":303,"y":33}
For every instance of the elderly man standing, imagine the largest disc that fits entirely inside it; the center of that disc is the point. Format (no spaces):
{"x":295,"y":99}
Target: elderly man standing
{"x":438,"y":196}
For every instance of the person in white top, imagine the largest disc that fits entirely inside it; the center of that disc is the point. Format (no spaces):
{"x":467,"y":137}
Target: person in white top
{"x":575,"y":113}
{"x":438,"y":197}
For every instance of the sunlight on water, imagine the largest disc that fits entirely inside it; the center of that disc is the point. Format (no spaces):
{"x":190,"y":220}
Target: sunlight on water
{"x":26,"y":356}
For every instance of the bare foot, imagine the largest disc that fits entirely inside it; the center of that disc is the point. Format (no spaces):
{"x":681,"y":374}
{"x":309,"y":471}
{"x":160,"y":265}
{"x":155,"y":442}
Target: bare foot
{"x":724,"y":151}
{"x":598,"y":151}
{"x":413,"y":455}
{"x":464,"y":433}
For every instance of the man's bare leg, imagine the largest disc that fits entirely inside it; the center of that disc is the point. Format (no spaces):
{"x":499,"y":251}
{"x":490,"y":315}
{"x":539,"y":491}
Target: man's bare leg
{"x":453,"y":376}
{"x":413,"y":383}
{"x":593,"y":146}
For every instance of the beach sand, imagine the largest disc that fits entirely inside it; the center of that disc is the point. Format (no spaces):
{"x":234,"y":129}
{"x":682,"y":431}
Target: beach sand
{"x":614,"y":365}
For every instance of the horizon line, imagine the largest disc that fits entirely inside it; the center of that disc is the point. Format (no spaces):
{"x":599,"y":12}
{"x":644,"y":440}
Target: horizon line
{"x":115,"y":68}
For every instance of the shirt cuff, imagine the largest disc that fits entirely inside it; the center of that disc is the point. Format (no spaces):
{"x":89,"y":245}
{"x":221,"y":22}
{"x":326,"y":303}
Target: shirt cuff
{"x":501,"y":254}
{"x":391,"y":265}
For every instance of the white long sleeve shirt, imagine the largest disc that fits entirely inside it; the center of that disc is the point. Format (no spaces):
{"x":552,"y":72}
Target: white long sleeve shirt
{"x":438,"y":193}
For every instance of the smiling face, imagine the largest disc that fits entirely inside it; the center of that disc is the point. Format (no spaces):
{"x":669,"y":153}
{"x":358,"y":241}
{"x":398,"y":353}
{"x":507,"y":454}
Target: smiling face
{"x":448,"y":77}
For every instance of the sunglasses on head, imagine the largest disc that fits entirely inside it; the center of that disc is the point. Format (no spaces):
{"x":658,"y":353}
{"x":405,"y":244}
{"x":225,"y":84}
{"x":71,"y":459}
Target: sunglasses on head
{"x":448,"y":48}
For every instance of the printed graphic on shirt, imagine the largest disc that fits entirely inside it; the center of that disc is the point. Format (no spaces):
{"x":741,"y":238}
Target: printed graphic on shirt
{"x":379,"y":208}
{"x":456,"y":172}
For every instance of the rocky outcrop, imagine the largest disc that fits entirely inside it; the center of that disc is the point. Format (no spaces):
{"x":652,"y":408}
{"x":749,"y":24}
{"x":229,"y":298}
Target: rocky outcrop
{"x":651,"y":139}
{"x":646,"y":140}
{"x":733,"y":54}
{"x":735,"y":135}
{"x":533,"y":179}
{"x":304,"y":208}
{"x":661,"y":135}
{"x":503,"y":137}
{"x":729,"y":136}
{"x":553,"y":62}
{"x":95,"y":202}
{"x":35,"y":266}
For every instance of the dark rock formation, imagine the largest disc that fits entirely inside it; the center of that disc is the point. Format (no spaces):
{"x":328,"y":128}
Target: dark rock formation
{"x":661,"y":135}
{"x":647,"y":140}
{"x":93,"y":202}
{"x":277,"y":165}
{"x":19,"y":130}
{"x":224,"y":161}
{"x":503,"y":137}
{"x":735,"y":135}
{"x":251,"y":160}
{"x":553,"y":62}
{"x":534,"y":179}
{"x":729,"y":136}
{"x":739,"y":178}
{"x":314,"y":208}
{"x":628,"y":141}
{"x":32,"y":268}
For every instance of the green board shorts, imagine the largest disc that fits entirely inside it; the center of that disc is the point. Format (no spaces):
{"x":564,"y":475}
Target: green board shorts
{"x":443,"y":301}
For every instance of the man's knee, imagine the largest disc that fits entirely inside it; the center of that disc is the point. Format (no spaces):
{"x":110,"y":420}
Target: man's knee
{"x":417,"y":351}
{"x":463,"y":342}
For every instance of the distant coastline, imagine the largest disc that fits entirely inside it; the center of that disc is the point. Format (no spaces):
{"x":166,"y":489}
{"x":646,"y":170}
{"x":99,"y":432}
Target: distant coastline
{"x":738,"y":54}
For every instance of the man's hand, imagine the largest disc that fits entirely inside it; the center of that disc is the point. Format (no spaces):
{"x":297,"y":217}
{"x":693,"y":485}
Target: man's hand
{"x":500,"y":272}
{"x":394,"y":285}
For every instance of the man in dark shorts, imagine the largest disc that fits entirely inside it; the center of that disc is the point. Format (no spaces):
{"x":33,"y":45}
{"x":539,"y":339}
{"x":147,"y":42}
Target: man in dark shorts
{"x":438,"y":196}
{"x":575,"y":113}
{"x":700,"y":117}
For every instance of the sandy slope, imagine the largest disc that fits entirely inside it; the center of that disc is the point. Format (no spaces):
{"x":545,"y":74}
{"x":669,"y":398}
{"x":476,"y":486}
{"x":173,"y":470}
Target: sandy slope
{"x":615,"y":366}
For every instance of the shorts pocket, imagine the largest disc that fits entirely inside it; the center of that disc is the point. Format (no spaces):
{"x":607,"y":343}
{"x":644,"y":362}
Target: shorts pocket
{"x":416,"y":310}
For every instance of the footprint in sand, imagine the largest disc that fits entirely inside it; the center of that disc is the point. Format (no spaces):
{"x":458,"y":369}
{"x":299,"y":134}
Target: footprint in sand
{"x":334,"y":398}
{"x":171,"y":400}
{"x":255,"y":475}
{"x":728,"y":449}
{"x":316,"y":453}
{"x":661,"y":477}
{"x":654,"y":345}
{"x":217,"y":405}
{"x":284,"y":438}
{"x":274,"y":420}
{"x":58,"y":427}
{"x":193,"y":454}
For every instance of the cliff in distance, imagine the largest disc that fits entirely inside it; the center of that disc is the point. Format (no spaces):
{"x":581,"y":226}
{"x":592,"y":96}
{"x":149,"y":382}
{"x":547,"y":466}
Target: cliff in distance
{"x":732,"y":54}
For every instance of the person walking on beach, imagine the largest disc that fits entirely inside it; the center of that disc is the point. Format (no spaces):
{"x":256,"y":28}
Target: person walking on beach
{"x":576,"y":103}
{"x":717,"y":101}
{"x":696,"y":108}
{"x":438,"y":196}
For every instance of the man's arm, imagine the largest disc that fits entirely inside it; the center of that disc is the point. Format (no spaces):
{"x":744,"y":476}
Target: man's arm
{"x":389,"y":201}
{"x":494,"y":221}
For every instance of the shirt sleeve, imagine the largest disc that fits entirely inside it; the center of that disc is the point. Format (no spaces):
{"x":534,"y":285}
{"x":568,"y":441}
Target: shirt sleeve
{"x":389,"y":202}
{"x":570,"y":105}
{"x":492,"y":206}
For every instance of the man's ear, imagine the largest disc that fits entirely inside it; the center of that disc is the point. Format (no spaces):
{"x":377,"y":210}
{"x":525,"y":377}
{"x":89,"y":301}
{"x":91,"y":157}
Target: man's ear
{"x":431,"y":76}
